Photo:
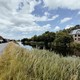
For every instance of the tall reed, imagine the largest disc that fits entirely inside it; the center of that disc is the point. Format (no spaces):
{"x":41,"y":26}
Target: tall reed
{"x":17,"y":63}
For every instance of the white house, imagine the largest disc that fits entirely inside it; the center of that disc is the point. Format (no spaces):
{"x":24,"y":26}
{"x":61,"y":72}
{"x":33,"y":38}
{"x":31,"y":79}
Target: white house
{"x":76,"y":35}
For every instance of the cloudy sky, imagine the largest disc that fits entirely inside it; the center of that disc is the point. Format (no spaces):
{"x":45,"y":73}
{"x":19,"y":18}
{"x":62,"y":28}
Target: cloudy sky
{"x":25,"y":18}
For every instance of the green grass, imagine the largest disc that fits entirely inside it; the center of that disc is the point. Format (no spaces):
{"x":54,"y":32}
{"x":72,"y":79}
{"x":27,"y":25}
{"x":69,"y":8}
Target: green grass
{"x":17,"y":63}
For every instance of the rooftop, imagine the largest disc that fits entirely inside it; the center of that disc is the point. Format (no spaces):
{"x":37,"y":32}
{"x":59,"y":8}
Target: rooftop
{"x":77,"y":31}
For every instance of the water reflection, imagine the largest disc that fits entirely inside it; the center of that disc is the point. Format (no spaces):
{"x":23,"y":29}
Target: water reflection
{"x":25,"y":46}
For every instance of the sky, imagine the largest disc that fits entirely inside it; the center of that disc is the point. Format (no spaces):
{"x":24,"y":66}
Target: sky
{"x":26,"y":18}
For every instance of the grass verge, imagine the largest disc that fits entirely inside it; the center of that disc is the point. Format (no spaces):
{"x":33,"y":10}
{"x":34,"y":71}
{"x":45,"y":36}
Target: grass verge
{"x":17,"y":63}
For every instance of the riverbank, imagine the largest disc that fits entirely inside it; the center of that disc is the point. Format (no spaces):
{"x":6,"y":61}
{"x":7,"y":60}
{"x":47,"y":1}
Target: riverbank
{"x":18,"y":63}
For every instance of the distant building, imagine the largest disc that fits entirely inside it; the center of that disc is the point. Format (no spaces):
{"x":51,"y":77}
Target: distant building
{"x":76,"y":35}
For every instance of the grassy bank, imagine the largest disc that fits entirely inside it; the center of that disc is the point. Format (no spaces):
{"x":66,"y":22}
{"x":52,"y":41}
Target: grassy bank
{"x":17,"y":63}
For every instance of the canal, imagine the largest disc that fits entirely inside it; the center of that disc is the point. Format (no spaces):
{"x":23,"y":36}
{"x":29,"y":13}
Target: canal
{"x":25,"y":46}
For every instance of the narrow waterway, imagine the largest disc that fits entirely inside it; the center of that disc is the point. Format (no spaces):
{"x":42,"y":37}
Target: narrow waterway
{"x":25,"y":46}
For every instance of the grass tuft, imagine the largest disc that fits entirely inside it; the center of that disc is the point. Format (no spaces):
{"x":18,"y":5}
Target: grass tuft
{"x":17,"y":63}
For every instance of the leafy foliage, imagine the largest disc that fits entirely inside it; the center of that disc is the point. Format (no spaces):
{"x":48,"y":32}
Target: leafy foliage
{"x":59,"y":42}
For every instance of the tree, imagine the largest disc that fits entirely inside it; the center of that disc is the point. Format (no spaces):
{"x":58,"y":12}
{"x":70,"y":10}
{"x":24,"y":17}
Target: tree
{"x":47,"y":37}
{"x":24,"y":40}
{"x":34,"y":38}
{"x":62,"y":42}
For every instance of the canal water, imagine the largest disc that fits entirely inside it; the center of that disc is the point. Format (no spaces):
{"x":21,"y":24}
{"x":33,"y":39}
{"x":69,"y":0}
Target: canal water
{"x":25,"y":46}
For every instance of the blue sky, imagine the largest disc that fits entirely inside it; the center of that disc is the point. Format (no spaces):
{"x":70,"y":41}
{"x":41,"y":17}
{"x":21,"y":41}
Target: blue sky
{"x":26,"y":18}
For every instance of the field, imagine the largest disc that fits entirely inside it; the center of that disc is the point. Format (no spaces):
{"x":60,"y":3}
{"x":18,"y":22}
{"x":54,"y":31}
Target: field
{"x":17,"y":63}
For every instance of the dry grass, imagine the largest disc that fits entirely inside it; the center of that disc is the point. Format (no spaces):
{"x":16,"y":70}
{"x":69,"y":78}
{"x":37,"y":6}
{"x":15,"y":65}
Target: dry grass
{"x":17,"y":63}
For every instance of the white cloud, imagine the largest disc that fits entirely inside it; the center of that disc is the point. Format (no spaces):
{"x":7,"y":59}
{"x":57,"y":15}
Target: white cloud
{"x":5,"y":22}
{"x":46,"y":13}
{"x":79,"y":13}
{"x":54,"y":17}
{"x":65,"y":19}
{"x":69,"y":4}
{"x":46,"y":18}
{"x":68,"y":26}
{"x":33,"y":3}
{"x":16,"y":18}
{"x":57,"y":28}
{"x":32,"y":28}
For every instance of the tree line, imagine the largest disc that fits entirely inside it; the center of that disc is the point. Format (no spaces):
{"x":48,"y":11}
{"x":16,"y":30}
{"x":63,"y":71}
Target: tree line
{"x":61,"y":42}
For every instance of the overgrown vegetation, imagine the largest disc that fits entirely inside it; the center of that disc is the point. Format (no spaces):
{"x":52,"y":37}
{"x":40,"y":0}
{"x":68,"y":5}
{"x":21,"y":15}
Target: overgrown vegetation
{"x":17,"y":63}
{"x":61,"y":42}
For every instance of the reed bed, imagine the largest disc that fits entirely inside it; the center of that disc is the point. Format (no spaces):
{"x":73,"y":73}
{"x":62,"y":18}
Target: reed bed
{"x":17,"y":63}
